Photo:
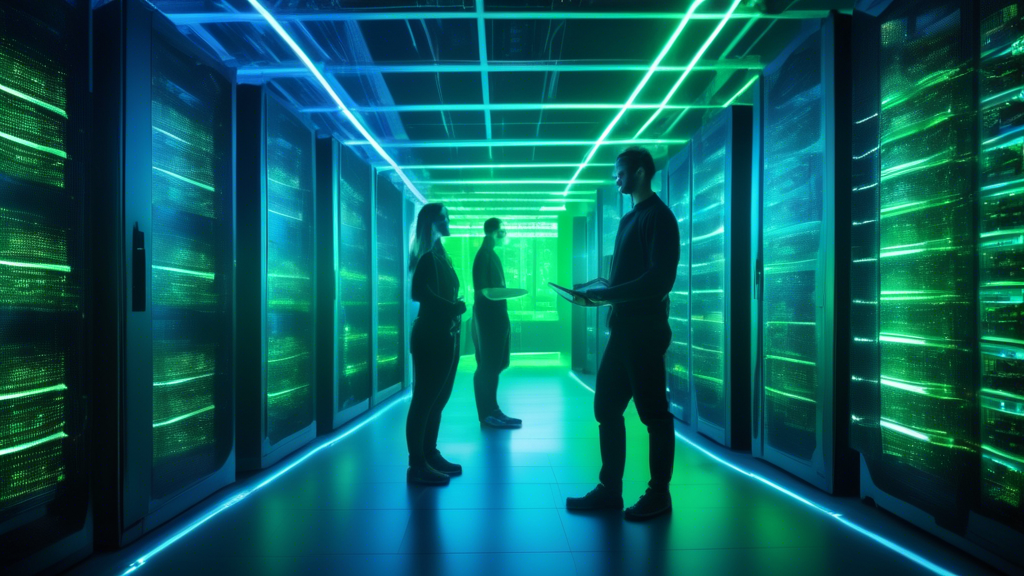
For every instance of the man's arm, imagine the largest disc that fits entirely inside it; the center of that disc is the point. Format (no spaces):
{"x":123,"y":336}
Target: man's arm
{"x":502,"y":293}
{"x":663,"y":264}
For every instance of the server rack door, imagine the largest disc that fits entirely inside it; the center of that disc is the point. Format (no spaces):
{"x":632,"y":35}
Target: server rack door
{"x":677,"y":359}
{"x":277,"y":394}
{"x":168,"y":303}
{"x":327,"y":247}
{"x":579,"y":275}
{"x":804,"y":194}
{"x":1001,"y":274}
{"x":719,"y":277}
{"x":45,"y":504}
{"x":390,"y":352}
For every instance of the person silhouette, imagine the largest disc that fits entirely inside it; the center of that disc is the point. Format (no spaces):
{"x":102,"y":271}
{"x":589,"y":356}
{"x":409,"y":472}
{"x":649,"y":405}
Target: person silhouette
{"x":633,"y":366}
{"x":434,"y":344}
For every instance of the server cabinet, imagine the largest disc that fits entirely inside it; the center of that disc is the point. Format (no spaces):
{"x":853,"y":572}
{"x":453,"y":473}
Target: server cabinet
{"x":593,"y":264}
{"x":1000,"y":237}
{"x":609,"y":208}
{"x":409,"y":218}
{"x":276,"y":271}
{"x":343,"y":284}
{"x":165,"y":226}
{"x":805,"y":228}
{"x":390,"y":260}
{"x":720,"y":277}
{"x":579,"y":276}
{"x":677,"y":360}
{"x":45,"y":504}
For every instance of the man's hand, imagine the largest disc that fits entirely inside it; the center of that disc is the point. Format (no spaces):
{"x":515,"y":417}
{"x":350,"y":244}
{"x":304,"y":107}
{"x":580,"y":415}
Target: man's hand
{"x":460,"y":308}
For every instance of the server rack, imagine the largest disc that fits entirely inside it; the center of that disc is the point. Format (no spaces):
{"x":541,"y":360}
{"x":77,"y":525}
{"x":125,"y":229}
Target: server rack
{"x":609,"y":207}
{"x":409,"y":220}
{"x":164,"y":261}
{"x":804,"y":250}
{"x":720,"y":277}
{"x":593,"y":263}
{"x":580,"y":251}
{"x":276,"y":272}
{"x":45,"y":501}
{"x":390,"y":260}
{"x":344,"y":381}
{"x":678,"y":189}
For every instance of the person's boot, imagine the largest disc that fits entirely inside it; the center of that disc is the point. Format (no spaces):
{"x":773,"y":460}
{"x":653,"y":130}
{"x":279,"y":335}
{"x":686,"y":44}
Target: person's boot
{"x":438,"y":462}
{"x":652,"y":503}
{"x":494,"y":420}
{"x":426,"y":475}
{"x":513,"y":421}
{"x":600,"y":498}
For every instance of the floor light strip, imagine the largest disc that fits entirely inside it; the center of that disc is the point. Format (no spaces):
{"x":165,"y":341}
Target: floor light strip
{"x":908,"y":554}
{"x":334,"y":96}
{"x":245,"y":493}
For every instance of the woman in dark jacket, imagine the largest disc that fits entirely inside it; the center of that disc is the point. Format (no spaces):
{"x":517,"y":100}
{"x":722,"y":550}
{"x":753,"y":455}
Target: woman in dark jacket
{"x":434,"y":344}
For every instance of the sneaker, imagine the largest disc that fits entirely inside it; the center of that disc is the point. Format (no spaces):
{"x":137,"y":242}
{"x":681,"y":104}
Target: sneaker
{"x":513,"y":421}
{"x":600,"y":498}
{"x":426,"y":475}
{"x":437,"y":462}
{"x":493,"y":421}
{"x":652,"y":503}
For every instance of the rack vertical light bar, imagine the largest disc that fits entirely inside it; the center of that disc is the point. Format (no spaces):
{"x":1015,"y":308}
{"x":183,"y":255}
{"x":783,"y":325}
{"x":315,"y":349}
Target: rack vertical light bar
{"x":720,"y":276}
{"x":276,"y":272}
{"x":45,"y":503}
{"x":805,"y":228}
{"x":679,"y":190}
{"x":165,"y":265}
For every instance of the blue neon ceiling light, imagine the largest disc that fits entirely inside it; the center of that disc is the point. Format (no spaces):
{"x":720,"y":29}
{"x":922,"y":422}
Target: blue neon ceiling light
{"x":334,"y":96}
{"x":908,"y":554}
{"x":247,"y":492}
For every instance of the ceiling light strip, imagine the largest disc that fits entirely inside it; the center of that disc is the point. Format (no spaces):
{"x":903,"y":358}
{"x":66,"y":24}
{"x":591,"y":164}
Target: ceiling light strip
{"x":503,"y":182}
{"x":740,"y":93}
{"x":689,"y":68}
{"x":189,"y":19}
{"x":285,"y":70}
{"x":334,"y":96}
{"x":512,"y":143}
{"x":535,"y":166}
{"x":485,"y":85}
{"x":636,"y":92}
{"x":510,"y":107}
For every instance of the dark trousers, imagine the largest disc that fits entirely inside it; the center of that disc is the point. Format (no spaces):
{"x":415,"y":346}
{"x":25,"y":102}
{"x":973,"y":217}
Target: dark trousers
{"x":633,"y":366}
{"x":491,"y":339}
{"x":435,"y":357}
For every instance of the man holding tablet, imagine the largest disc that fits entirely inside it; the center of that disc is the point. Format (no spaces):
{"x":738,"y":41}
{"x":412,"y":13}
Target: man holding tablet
{"x":633,"y":366}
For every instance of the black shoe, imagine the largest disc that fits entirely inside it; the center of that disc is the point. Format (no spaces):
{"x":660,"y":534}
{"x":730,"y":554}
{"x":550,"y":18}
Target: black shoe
{"x":426,"y":475}
{"x":437,"y":462}
{"x":600,"y":498}
{"x":652,"y":503}
{"x":513,"y":421}
{"x":493,"y":421}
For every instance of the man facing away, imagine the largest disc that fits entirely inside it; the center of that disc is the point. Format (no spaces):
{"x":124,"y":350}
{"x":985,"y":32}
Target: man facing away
{"x":633,"y":366}
{"x":492,"y":330}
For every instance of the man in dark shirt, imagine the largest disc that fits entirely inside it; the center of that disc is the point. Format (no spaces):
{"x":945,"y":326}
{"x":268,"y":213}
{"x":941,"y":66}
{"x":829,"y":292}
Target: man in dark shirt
{"x":633,"y":366}
{"x":492,"y":330}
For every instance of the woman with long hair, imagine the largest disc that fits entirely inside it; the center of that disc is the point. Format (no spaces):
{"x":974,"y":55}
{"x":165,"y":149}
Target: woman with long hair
{"x":434,"y":343}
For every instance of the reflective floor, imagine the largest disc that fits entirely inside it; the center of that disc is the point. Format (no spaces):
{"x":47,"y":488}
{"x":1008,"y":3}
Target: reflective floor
{"x":347,"y":509}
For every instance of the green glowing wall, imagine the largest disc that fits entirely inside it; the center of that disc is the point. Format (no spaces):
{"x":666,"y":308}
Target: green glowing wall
{"x":1001,"y":260}
{"x":40,"y":258}
{"x":189,"y":296}
{"x":290,"y":254}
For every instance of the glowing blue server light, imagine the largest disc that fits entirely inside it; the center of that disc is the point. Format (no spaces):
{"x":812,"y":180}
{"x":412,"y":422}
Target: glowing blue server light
{"x":334,"y":96}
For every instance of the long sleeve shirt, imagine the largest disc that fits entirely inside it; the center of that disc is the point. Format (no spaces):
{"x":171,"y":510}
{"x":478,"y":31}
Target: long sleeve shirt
{"x":644,"y":263}
{"x":436,"y":287}
{"x":488,"y":273}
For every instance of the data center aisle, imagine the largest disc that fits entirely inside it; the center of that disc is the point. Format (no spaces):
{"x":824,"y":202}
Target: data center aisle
{"x":347,"y":509}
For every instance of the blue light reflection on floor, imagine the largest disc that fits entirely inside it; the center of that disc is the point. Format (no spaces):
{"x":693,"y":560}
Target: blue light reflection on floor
{"x":835,"y":515}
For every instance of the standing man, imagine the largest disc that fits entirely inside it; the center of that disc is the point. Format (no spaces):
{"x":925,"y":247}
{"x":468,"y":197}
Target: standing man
{"x":492,"y":331}
{"x":633,"y":366}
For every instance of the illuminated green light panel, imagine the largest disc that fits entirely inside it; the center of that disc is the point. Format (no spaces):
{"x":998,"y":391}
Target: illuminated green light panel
{"x":677,"y":358}
{"x":354,"y":257}
{"x":185,"y":294}
{"x":390,"y":290}
{"x":36,"y":220}
{"x":1001,"y":253}
{"x":289,"y":320}
{"x":707,"y":271}
{"x":794,"y":160}
{"x":926,"y":254}
{"x":529,"y":257}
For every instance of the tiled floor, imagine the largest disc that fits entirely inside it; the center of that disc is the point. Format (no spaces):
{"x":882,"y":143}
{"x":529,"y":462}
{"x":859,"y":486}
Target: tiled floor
{"x":347,"y":510}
